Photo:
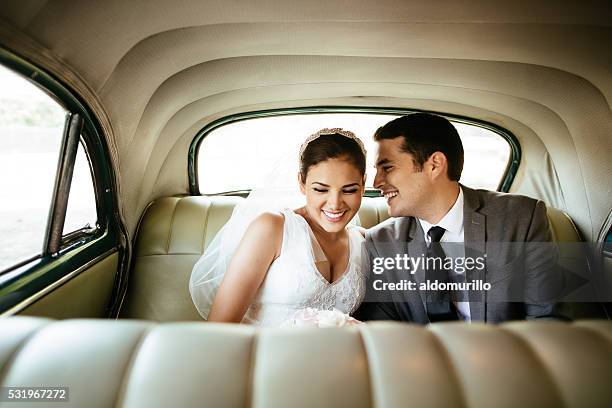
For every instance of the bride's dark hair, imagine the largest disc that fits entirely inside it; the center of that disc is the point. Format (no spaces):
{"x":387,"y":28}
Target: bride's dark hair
{"x":332,"y":146}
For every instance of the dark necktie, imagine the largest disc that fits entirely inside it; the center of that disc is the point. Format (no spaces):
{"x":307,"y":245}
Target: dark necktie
{"x":440,"y":306}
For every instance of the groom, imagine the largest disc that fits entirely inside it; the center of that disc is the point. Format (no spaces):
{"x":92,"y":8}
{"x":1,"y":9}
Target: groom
{"x":507,"y":237}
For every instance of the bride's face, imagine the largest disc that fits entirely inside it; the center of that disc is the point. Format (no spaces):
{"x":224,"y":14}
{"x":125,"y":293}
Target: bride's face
{"x":333,"y":190}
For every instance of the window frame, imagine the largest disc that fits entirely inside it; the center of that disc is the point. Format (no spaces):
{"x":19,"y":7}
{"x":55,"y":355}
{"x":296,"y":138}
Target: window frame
{"x":83,"y":233}
{"x":605,"y":237}
{"x":192,"y":161}
{"x":28,"y":280}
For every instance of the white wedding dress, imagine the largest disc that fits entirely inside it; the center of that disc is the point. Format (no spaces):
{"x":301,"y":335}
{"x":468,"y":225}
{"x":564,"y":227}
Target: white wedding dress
{"x":294,"y":283}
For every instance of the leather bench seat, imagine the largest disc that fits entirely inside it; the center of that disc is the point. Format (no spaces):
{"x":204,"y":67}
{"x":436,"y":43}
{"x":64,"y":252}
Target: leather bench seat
{"x":130,"y":363}
{"x":174,"y":232}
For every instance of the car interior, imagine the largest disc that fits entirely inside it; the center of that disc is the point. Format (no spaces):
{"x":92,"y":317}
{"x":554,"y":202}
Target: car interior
{"x":140,"y":92}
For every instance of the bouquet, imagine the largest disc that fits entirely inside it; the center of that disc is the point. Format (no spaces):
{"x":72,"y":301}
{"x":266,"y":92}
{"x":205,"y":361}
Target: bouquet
{"x":310,"y":317}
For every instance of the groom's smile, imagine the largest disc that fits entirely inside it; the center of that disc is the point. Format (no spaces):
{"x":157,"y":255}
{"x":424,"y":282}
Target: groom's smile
{"x":390,"y":194}
{"x":400,"y":181}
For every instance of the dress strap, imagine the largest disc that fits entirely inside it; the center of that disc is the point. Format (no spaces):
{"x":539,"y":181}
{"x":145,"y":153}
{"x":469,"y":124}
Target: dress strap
{"x":317,"y":251}
{"x":297,"y":221}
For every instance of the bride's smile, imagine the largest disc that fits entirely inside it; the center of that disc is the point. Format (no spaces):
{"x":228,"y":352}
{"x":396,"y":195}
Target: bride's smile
{"x":333,"y":216}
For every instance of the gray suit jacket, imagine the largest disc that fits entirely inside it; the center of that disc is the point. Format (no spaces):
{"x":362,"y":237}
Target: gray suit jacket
{"x":524,"y":279}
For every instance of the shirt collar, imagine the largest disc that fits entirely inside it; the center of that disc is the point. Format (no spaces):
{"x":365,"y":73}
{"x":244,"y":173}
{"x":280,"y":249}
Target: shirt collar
{"x":452,"y":220}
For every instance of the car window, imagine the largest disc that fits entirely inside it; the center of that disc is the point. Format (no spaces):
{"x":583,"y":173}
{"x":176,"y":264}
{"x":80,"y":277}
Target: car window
{"x":607,"y":244}
{"x":31,"y":130}
{"x":81,"y":212}
{"x":237,"y":156}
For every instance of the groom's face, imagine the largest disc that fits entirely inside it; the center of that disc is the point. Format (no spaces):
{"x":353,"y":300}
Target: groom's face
{"x":404,"y":185}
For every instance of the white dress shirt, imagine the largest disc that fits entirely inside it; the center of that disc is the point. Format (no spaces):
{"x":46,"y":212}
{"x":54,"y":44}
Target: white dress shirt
{"x":452,"y":222}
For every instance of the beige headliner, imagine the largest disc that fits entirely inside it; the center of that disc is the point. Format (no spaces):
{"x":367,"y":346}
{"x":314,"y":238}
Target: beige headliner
{"x":161,"y":70}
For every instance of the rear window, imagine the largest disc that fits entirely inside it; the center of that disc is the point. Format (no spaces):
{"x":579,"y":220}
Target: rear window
{"x":237,"y":156}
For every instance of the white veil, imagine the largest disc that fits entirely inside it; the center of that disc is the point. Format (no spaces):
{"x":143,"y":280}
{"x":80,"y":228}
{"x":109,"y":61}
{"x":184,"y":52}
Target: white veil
{"x":277,"y":191}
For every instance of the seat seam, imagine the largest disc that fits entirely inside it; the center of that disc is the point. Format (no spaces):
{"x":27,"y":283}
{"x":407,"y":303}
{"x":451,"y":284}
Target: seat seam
{"x":250,"y":383}
{"x":210,"y":206}
{"x":452,"y":368}
{"x":365,"y":338}
{"x":539,"y":361}
{"x":11,"y":360}
{"x":127,"y":369}
{"x":169,"y":238}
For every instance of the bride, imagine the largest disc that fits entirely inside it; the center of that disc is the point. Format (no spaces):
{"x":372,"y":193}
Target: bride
{"x":290,"y":261}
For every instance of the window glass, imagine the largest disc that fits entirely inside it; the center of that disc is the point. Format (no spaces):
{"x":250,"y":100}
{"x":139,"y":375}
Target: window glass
{"x":607,"y":244}
{"x":31,"y":128}
{"x":81,"y":211}
{"x":238,"y":156}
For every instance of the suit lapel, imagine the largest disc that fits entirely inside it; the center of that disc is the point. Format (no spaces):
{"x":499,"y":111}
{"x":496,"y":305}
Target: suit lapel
{"x":474,"y":237}
{"x":416,"y":247}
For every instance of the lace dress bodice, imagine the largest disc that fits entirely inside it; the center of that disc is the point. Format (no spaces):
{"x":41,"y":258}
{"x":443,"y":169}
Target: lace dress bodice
{"x":293,"y":281}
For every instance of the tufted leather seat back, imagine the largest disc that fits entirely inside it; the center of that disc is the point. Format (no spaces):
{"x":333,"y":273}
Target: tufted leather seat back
{"x":171,"y":238}
{"x":384,"y":364}
{"x":174,"y":232}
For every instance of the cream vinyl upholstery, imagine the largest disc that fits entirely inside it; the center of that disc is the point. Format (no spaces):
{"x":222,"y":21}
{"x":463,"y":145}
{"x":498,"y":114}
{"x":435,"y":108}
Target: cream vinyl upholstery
{"x":174,"y":232}
{"x":172,"y":236}
{"x":85,"y":295}
{"x":384,"y":364}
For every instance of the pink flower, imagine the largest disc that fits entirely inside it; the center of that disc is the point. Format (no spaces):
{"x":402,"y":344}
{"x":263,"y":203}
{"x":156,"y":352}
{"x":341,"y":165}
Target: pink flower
{"x":307,"y":317}
{"x":310,"y":317}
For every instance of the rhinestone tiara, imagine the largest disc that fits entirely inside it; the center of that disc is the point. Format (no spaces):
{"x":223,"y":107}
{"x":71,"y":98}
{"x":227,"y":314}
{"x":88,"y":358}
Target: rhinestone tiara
{"x":332,"y":131}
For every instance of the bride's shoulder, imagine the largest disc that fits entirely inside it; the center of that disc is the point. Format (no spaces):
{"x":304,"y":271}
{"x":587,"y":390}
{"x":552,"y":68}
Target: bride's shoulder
{"x":269,"y":221}
{"x":266,"y":231}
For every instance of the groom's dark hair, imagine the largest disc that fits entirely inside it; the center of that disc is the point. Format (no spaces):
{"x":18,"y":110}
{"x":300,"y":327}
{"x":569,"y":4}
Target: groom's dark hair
{"x":424,"y":134}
